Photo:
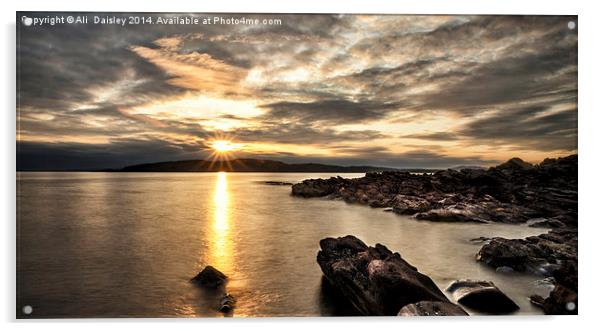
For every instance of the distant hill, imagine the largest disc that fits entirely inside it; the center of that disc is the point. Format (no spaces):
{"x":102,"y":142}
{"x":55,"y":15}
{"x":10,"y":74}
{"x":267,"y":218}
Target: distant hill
{"x":246,"y":165}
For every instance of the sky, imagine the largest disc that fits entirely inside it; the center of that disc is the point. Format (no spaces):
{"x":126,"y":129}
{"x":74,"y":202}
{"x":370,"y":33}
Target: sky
{"x":383,"y":90}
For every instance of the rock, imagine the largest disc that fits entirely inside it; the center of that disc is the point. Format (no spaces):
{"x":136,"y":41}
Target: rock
{"x":432,"y":308}
{"x":449,"y":215}
{"x":551,"y":223}
{"x":227,"y":303}
{"x":409,"y":205}
{"x":515,"y":164}
{"x":537,"y":300}
{"x":547,"y":283}
{"x":480,"y":240}
{"x":317,"y":187}
{"x":563,"y":298}
{"x":481,"y":295}
{"x":513,"y":192}
{"x":504,"y":269}
{"x":210,"y":277}
{"x":373,"y":279}
{"x":537,"y":254}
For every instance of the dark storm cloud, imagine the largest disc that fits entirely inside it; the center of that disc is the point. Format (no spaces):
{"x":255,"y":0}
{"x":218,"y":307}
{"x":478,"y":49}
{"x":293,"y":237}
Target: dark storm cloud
{"x":329,"y":111}
{"x":443,"y":136}
{"x":301,"y":134}
{"x":59,"y":67}
{"x":510,"y":80}
{"x":116,"y":154}
{"x":535,"y":127}
{"x":506,"y":80}
{"x":415,"y":159}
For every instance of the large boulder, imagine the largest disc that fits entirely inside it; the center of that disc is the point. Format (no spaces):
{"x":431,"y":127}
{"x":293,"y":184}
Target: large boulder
{"x":210,"y":277}
{"x":432,"y":308}
{"x":375,"y":280}
{"x":481,"y":295}
{"x":537,"y":254}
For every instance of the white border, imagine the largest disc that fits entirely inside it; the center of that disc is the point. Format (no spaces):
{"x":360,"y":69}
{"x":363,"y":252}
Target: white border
{"x":589,"y":156}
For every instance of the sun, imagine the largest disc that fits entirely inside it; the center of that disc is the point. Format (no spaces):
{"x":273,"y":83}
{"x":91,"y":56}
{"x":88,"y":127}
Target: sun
{"x":223,"y":146}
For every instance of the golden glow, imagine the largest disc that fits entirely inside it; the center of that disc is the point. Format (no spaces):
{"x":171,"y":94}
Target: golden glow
{"x":220,"y":241}
{"x":222,"y":146}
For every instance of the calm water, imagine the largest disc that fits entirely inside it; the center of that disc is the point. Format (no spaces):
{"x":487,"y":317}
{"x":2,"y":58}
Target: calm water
{"x":126,"y":244}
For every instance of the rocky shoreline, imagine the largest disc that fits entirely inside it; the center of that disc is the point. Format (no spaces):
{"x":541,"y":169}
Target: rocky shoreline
{"x":515,"y":192}
{"x":378,"y":282}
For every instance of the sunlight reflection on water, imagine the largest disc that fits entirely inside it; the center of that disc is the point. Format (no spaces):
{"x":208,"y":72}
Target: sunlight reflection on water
{"x":220,"y":248}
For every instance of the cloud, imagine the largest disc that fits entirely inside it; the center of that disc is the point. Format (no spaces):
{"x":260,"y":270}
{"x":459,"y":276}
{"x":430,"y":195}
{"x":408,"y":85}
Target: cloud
{"x":376,"y":86}
{"x":536,"y":127}
{"x":116,"y":154}
{"x":443,"y":136}
{"x":328,"y":111}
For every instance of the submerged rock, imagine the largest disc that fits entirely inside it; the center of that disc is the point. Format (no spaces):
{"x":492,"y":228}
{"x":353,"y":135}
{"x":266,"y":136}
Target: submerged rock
{"x":432,"y":308}
{"x":210,"y":277}
{"x":481,"y":295}
{"x":375,"y":280}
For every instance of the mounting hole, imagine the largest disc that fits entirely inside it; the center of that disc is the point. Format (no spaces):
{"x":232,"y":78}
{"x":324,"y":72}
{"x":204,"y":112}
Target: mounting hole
{"x":571,"y":25}
{"x":570,"y":306}
{"x":27,"y":309}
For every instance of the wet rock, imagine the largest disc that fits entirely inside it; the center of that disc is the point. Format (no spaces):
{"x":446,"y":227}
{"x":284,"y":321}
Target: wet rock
{"x":537,"y":254}
{"x":563,"y":298}
{"x":551,"y":223}
{"x":546,"y":283}
{"x":409,"y":205}
{"x":227,"y":303}
{"x":449,"y":214}
{"x":481,"y":295}
{"x":480,"y":240}
{"x":374,"y":280}
{"x":317,"y":187}
{"x":504,"y":269}
{"x":513,"y":192}
{"x":209,"y":277}
{"x":432,"y":308}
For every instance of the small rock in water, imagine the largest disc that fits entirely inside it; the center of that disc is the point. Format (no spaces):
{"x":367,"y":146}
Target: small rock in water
{"x":504,"y":269}
{"x":480,"y":240}
{"x":537,"y":300}
{"x":546,"y":283}
{"x":481,"y":295}
{"x":545,"y":223}
{"x":227,"y":303}
{"x":389,"y":209}
{"x":210,"y":277}
{"x":432,"y":308}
